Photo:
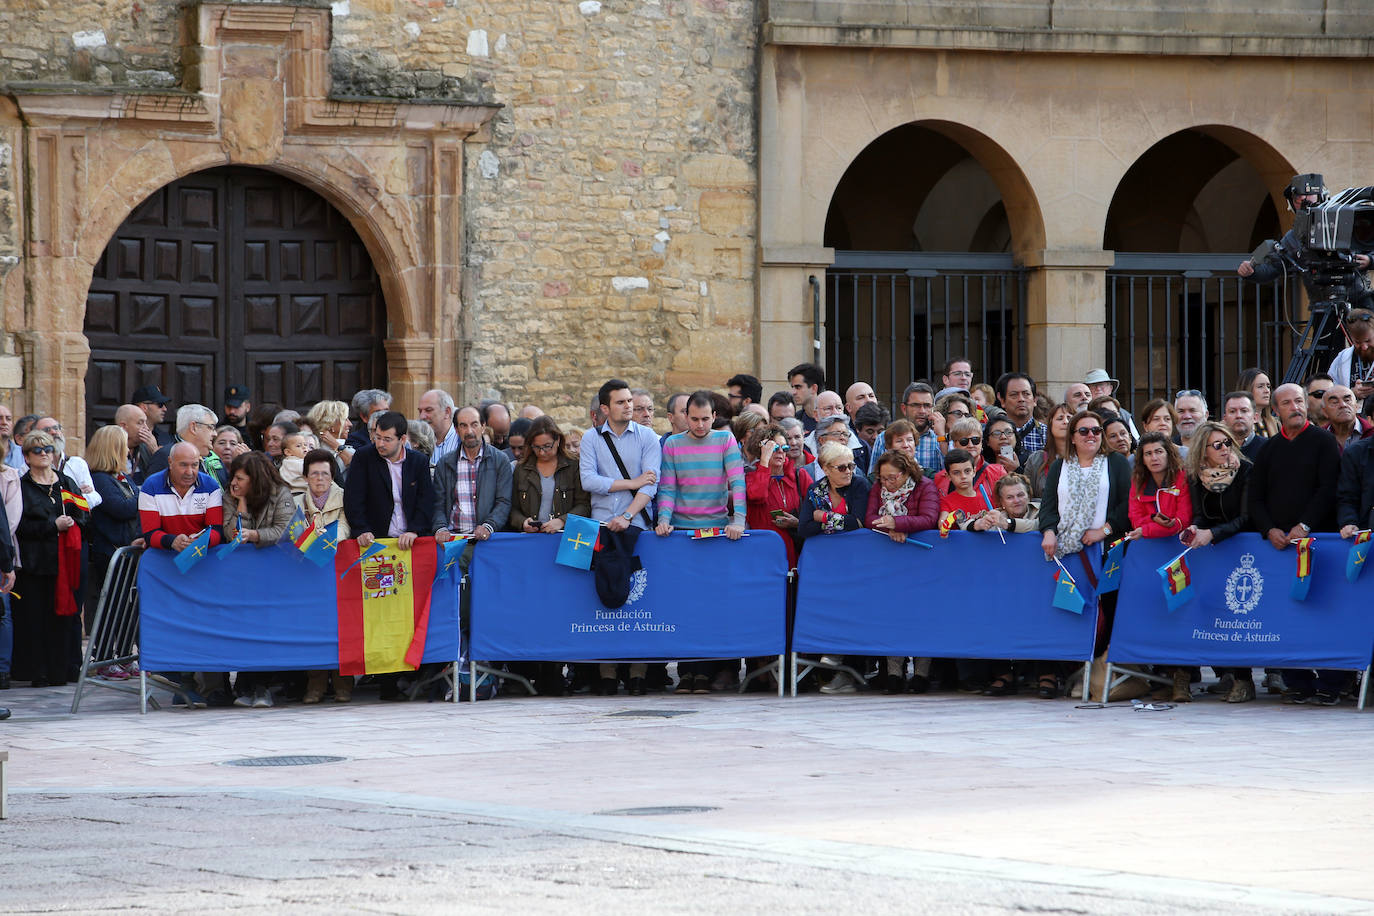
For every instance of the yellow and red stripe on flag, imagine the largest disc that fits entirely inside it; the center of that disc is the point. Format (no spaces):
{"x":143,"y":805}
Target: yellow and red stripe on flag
{"x":1362,"y":537}
{"x":1304,"y":546}
{"x":1178,"y":578}
{"x":384,"y":606}
{"x":75,"y":499}
{"x":946,"y":523}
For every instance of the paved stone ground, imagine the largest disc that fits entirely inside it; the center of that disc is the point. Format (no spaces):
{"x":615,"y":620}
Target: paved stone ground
{"x":943,"y":803}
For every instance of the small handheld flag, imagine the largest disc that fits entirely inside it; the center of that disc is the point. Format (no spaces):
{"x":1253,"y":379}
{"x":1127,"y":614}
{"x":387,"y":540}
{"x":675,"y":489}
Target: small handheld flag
{"x":987,"y":502}
{"x":1111,"y":567}
{"x":1066,"y":594}
{"x":76,"y":500}
{"x":449,"y":554}
{"x":1178,"y":582}
{"x":1359,"y":552}
{"x":578,"y":542}
{"x":946,"y":523}
{"x":297,"y":527}
{"x":197,"y":550}
{"x":699,"y":533}
{"x":372,"y":550}
{"x":1302,"y":582}
{"x":321,"y":547}
{"x":909,"y":539}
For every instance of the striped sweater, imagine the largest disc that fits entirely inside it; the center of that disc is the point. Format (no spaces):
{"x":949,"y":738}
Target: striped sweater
{"x":164,"y":514}
{"x":697,"y":477}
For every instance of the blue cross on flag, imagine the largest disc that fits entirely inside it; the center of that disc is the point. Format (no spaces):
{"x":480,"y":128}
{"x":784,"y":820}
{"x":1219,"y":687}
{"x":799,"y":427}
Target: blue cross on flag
{"x":579,"y":542}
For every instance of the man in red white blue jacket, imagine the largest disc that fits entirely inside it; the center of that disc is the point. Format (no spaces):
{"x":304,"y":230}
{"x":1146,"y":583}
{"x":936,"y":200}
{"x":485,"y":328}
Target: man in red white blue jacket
{"x":179,"y":503}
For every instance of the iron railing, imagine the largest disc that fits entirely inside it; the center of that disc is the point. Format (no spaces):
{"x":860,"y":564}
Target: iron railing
{"x":893,"y":317}
{"x":1177,"y":321}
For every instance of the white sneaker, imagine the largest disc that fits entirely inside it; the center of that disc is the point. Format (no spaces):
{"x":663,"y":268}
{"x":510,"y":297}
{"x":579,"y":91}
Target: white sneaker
{"x":840,"y":683}
{"x":262,"y":698}
{"x":832,"y":660}
{"x":243,"y":700}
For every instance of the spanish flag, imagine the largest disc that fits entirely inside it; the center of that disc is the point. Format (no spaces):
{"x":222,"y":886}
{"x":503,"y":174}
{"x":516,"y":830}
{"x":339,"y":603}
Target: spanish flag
{"x":384,"y":606}
{"x":76,"y":500}
{"x":1303,"y":581}
{"x":1178,"y":583}
{"x":946,"y":523}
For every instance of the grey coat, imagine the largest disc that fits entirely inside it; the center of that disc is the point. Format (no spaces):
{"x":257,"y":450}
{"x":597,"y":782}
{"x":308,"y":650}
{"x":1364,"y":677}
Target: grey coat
{"x":493,"y":488}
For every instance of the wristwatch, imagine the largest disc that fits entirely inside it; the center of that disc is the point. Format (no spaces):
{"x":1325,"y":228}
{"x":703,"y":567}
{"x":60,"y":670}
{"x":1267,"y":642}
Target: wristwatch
{"x":1306,"y":528}
{"x":627,"y":516}
{"x":1107,"y":529}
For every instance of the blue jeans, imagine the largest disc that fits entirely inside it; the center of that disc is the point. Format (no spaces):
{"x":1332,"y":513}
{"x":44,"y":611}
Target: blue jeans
{"x":6,"y":634}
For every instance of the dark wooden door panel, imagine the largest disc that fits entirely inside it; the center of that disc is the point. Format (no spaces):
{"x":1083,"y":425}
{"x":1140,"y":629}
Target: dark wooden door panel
{"x":233,"y":276}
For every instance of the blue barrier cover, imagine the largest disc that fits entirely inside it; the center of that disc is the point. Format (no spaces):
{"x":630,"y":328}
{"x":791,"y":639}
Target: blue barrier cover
{"x":257,"y":610}
{"x":1241,"y":613}
{"x":970,"y":597}
{"x":708,"y":598}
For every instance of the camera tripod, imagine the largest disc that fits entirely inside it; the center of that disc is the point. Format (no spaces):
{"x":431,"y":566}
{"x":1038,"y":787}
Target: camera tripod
{"x":1324,"y":321}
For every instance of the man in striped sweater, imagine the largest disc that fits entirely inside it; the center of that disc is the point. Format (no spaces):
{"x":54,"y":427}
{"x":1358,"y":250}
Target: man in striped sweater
{"x":701,"y":483}
{"x":177,"y":504}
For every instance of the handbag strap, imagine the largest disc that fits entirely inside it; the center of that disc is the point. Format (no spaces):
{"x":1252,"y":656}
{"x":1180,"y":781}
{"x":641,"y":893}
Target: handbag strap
{"x":610,"y":443}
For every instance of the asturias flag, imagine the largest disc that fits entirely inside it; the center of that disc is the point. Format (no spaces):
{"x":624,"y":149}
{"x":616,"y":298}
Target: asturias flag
{"x":384,"y":605}
{"x":1178,"y":583}
{"x":1066,"y":594}
{"x":1359,"y":552}
{"x":195,"y":551}
{"x":322,"y":544}
{"x":1303,"y":580}
{"x":1111,"y":567}
{"x":579,"y":542}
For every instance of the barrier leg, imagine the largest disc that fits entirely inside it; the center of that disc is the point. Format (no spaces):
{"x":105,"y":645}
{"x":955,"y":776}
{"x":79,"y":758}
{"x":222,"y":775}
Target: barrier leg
{"x":1107,"y":683}
{"x":142,"y":691}
{"x":1087,"y":681}
{"x":782,"y":666}
{"x":455,"y":683}
{"x":792,"y":674}
{"x":472,"y":682}
{"x":4,"y":786}
{"x":1364,"y":687}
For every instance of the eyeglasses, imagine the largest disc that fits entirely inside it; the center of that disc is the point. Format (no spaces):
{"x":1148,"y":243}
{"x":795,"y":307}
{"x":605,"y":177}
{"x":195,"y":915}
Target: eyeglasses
{"x":1188,"y":393}
{"x":971,"y":440}
{"x":1002,"y":434}
{"x":962,"y":373}
{"x":545,"y":448}
{"x":206,"y":425}
{"x":959,"y":414}
{"x":1220,"y":445}
{"x":1088,"y":431}
{"x":842,"y":467}
{"x":50,"y":429}
{"x":48,"y":450}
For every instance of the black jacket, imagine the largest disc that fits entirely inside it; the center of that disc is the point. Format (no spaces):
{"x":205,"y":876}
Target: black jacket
{"x":367,"y":493}
{"x":1355,"y":489}
{"x":1225,"y":513}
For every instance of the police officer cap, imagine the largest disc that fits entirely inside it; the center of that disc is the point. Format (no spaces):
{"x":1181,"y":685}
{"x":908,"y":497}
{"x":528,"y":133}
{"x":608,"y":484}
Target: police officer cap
{"x":1311,"y":183}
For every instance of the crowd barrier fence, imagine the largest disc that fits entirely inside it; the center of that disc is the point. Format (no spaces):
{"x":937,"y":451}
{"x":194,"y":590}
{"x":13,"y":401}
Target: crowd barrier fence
{"x":859,"y":593}
{"x":113,"y":637}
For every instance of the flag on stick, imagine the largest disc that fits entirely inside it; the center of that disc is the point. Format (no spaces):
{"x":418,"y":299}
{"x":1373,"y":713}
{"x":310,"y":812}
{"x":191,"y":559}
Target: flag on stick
{"x":1178,"y":582}
{"x":1302,"y":582}
{"x":1359,"y":552}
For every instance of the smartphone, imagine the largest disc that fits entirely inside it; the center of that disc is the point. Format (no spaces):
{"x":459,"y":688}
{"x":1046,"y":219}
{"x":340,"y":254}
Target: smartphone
{"x":776,"y":513}
{"x":1008,"y":451}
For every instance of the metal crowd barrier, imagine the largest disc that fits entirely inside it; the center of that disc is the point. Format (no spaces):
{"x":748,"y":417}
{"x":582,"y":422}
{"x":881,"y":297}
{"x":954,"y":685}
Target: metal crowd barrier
{"x":114,"y":632}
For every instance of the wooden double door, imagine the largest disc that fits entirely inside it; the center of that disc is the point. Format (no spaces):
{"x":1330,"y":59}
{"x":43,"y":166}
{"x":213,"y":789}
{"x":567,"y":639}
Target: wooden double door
{"x":233,"y":276}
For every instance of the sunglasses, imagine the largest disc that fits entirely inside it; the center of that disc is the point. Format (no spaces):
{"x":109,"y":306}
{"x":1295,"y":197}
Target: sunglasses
{"x":1188,"y":393}
{"x":842,"y":467}
{"x":1088,"y":431}
{"x":1319,"y":393}
{"x":1219,"y":446}
{"x":971,"y":440}
{"x":42,"y":450}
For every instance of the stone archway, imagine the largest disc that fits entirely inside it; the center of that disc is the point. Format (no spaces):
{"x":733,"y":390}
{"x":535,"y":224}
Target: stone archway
{"x":233,"y":276}
{"x":393,"y":169}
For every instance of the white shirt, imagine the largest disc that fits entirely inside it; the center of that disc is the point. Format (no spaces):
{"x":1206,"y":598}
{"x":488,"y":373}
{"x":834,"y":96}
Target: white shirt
{"x":80,"y":473}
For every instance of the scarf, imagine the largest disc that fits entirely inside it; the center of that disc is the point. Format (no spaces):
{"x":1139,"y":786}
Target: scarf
{"x":1081,"y":485}
{"x":832,"y":503}
{"x":1217,"y":480}
{"x":894,"y":503}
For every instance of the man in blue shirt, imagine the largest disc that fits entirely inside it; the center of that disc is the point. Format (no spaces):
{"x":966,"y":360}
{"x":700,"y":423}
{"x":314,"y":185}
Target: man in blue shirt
{"x":619,"y":499}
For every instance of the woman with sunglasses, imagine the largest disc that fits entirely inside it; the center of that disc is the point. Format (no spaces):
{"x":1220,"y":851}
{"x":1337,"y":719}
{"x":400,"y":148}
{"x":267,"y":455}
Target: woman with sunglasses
{"x":1086,"y":500}
{"x":47,"y":615}
{"x":968,"y":436}
{"x":774,"y":488}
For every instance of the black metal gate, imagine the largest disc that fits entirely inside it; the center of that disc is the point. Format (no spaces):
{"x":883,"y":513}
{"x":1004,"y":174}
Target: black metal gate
{"x":894,"y":317}
{"x":1189,"y":321}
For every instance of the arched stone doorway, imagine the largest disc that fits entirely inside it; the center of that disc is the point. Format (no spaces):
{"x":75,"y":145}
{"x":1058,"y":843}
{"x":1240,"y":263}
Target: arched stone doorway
{"x":233,"y":275}
{"x":924,"y":223}
{"x":1184,"y":214}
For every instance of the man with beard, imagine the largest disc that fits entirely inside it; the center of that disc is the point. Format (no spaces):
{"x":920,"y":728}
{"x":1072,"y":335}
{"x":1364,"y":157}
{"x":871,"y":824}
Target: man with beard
{"x":237,"y":406}
{"x":74,"y":467}
{"x":918,"y":407}
{"x":472,"y":484}
{"x":1342,"y":420}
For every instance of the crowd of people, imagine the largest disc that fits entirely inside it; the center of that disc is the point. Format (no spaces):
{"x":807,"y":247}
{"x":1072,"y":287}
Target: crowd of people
{"x":1079,"y":470}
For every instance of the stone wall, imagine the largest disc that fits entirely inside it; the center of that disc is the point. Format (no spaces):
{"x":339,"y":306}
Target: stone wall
{"x":611,"y":217}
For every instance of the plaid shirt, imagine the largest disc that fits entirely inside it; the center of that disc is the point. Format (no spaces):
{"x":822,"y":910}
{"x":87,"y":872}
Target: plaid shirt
{"x":928,"y":454}
{"x":464,"y":517}
{"x":1031,"y":437}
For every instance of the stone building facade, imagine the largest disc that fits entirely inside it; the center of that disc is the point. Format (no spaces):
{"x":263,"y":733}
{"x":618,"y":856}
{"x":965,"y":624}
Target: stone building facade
{"x":554,"y":192}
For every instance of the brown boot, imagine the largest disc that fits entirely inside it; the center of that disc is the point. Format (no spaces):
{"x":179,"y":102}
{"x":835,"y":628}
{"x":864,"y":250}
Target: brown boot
{"x":343,"y":688}
{"x":1183,"y":693}
{"x":314,"y":686}
{"x":1243,"y":691}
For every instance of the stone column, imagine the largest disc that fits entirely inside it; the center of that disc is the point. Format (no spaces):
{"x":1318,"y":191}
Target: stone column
{"x":787,"y":332}
{"x":410,"y":368}
{"x":1066,"y":312}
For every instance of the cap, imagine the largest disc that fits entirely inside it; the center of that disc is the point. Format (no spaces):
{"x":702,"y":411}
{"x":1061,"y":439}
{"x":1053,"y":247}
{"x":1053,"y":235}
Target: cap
{"x":1098,"y":376}
{"x":150,"y":393}
{"x":235,"y":395}
{"x":950,"y":390}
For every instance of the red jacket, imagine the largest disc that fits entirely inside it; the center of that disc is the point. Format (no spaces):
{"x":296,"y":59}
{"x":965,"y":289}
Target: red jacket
{"x":763,"y":494}
{"x":922,"y":508}
{"x":1174,"y":505}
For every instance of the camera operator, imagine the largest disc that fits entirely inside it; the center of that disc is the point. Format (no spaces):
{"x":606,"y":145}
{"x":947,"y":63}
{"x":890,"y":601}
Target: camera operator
{"x":1320,"y":275}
